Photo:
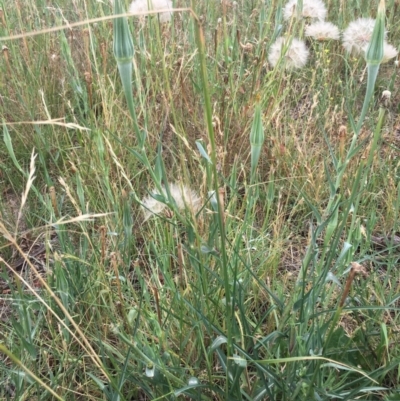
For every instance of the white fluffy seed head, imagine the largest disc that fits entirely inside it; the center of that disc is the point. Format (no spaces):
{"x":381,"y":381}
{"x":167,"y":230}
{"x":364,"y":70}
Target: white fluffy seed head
{"x":322,"y":30}
{"x":151,"y":206}
{"x":313,"y":9}
{"x":357,"y":35}
{"x":294,"y":55}
{"x":389,"y":52}
{"x":140,"y":6}
{"x":183,"y":196}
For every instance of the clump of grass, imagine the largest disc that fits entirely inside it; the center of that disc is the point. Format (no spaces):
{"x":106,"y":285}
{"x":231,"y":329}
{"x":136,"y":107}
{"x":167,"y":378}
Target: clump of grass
{"x":254,"y":292}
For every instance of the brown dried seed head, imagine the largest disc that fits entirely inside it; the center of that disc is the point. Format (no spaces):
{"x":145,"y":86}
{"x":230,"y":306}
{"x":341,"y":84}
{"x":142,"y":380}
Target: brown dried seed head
{"x":169,"y":213}
{"x":248,"y":47}
{"x":359,"y":269}
{"x":88,"y":77}
{"x":221,"y":194}
{"x":342,"y":131}
{"x":53,"y":198}
{"x":72,"y":167}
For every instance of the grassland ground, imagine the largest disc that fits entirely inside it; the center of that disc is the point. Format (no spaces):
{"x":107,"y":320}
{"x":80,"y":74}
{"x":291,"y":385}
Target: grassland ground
{"x":269,"y":270}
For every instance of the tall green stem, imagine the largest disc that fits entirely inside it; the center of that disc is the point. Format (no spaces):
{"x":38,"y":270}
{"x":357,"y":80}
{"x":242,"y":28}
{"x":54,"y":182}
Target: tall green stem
{"x":221,"y":223}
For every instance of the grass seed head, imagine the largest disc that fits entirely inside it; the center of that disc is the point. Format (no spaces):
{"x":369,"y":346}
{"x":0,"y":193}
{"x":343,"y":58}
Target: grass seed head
{"x":342,"y":139}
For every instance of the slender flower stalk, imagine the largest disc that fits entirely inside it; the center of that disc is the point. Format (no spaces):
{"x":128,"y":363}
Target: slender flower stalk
{"x":225,"y":265}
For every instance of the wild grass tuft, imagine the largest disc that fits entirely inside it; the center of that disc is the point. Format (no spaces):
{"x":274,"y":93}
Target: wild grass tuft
{"x":182,"y":217}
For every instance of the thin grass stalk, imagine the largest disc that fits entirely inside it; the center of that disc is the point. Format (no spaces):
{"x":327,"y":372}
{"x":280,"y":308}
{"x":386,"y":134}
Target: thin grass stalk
{"x":328,"y":260}
{"x":356,"y":268}
{"x":84,"y":343}
{"x":170,"y":97}
{"x":374,"y":56}
{"x":102,"y":231}
{"x":332,"y":243}
{"x":114,"y":264}
{"x":256,"y":141}
{"x":366,"y":167}
{"x":10,"y":149}
{"x":210,"y":130}
{"x":372,"y":74}
{"x":17,"y":362}
{"x":130,"y":341}
{"x":256,"y":144}
{"x":71,"y":25}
